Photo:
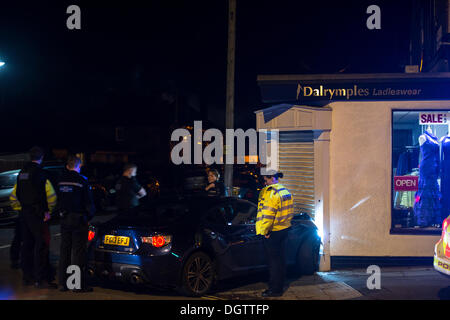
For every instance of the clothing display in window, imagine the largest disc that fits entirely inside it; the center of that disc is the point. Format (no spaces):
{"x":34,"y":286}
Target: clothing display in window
{"x":407,"y":161}
{"x":445,"y":176}
{"x":427,"y":205}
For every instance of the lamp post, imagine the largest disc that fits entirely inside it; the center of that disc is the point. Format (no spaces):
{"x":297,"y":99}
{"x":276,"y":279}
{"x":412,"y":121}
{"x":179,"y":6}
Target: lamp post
{"x":229,"y":122}
{"x":2,"y":65}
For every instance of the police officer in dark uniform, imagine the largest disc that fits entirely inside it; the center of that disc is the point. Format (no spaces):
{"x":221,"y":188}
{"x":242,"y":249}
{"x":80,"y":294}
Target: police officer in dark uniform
{"x":128,"y":190}
{"x":33,"y":197}
{"x":76,"y":207}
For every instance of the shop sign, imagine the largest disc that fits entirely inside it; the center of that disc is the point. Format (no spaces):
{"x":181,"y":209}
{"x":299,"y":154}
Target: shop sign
{"x":433,"y":118}
{"x":406,"y":183}
{"x":376,"y":89}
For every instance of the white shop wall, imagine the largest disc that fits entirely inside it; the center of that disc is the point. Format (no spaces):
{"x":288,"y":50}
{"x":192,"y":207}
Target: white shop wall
{"x":360,"y":181}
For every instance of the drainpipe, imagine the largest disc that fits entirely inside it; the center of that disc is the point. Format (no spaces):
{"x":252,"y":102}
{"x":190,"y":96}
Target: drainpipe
{"x":448,"y":16}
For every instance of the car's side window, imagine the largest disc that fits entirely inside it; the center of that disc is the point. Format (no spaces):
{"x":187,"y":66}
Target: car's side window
{"x":245,"y":213}
{"x":216,"y":215}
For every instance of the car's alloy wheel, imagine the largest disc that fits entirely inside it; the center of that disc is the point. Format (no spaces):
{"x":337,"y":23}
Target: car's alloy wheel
{"x":198,"y":274}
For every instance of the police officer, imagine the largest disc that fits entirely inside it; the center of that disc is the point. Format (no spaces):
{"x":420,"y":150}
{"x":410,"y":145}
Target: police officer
{"x":76,"y":207}
{"x":275,"y":212}
{"x":128,"y":190}
{"x":34,"y":195}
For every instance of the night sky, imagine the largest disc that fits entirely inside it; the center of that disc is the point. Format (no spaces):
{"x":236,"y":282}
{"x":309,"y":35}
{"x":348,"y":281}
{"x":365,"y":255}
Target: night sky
{"x":130,"y":60}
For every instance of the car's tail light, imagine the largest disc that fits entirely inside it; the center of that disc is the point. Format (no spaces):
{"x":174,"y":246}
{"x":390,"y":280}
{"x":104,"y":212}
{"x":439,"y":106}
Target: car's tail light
{"x":91,"y":235}
{"x":157,"y":241}
{"x":91,"y":232}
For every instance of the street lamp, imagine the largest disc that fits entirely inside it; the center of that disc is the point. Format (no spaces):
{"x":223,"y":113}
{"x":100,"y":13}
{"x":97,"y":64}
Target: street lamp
{"x":2,"y":101}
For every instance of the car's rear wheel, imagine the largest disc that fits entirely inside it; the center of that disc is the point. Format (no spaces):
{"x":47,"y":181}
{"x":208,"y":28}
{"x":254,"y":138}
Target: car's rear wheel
{"x":308,"y":257}
{"x":198,"y":275}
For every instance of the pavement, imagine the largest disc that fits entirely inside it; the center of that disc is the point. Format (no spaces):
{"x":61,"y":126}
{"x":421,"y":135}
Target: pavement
{"x":396,"y":283}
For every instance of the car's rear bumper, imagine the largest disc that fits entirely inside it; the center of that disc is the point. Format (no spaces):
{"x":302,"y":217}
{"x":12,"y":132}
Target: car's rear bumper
{"x":161,"y":270}
{"x":125,"y":272}
{"x":441,"y":263}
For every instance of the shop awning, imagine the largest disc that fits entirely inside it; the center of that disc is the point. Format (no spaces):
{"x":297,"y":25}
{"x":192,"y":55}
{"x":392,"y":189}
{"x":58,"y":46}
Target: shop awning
{"x":274,"y":111}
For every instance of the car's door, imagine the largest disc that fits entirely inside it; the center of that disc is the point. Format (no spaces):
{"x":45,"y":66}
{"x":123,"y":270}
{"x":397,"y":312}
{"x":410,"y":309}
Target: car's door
{"x":246,"y":248}
{"x":214,"y":230}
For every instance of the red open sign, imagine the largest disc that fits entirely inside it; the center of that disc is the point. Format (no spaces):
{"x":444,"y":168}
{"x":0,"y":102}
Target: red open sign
{"x":406,"y":183}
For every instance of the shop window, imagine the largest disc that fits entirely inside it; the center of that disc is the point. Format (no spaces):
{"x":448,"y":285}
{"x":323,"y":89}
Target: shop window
{"x":421,"y":170}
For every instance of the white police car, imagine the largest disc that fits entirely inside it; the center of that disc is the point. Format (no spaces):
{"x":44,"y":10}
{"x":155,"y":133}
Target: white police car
{"x":442,"y":250}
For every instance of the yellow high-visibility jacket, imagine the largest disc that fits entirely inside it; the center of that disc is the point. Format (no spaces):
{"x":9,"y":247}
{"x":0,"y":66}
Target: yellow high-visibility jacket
{"x":49,"y":190}
{"x":275,"y":209}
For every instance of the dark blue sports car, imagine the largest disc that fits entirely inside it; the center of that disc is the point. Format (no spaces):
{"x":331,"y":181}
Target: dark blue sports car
{"x":191,"y":243}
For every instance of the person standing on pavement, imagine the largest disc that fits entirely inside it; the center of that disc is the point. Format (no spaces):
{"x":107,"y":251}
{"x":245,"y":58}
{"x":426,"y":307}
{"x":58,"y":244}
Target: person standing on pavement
{"x":76,"y":207}
{"x":128,"y":190}
{"x":35,"y":197}
{"x":275,"y":212}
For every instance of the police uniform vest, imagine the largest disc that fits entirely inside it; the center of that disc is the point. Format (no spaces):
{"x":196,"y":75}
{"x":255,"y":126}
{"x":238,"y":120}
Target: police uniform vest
{"x":33,"y":189}
{"x":74,"y":194}
{"x":275,"y":209}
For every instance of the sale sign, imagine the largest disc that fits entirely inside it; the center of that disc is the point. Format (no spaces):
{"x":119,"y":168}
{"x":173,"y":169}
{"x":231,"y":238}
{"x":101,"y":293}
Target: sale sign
{"x":406,"y":183}
{"x":433,"y":118}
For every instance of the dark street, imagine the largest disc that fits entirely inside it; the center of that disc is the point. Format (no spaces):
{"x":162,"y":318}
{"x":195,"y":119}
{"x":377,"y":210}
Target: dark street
{"x":397,"y":283}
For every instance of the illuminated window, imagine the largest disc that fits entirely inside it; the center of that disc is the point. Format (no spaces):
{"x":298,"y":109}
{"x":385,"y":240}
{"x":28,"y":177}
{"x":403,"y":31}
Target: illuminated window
{"x":420,"y":170}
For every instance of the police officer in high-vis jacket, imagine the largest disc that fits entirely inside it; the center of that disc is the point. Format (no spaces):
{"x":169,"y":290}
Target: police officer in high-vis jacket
{"x":275,"y":212}
{"x":35,"y":197}
{"x":76,"y":207}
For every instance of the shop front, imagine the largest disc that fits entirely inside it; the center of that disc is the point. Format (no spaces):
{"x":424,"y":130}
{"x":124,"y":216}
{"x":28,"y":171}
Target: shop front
{"x":368,"y":157}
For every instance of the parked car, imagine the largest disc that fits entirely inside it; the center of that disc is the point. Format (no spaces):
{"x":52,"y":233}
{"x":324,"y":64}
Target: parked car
{"x":7,"y":181}
{"x":191,"y":243}
{"x":442,"y":250}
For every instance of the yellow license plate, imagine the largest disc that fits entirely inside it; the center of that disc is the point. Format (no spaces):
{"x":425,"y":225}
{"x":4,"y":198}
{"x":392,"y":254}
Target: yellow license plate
{"x":116,"y":240}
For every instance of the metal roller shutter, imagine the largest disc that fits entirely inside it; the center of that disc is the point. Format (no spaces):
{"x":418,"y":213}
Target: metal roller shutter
{"x":296,"y":161}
